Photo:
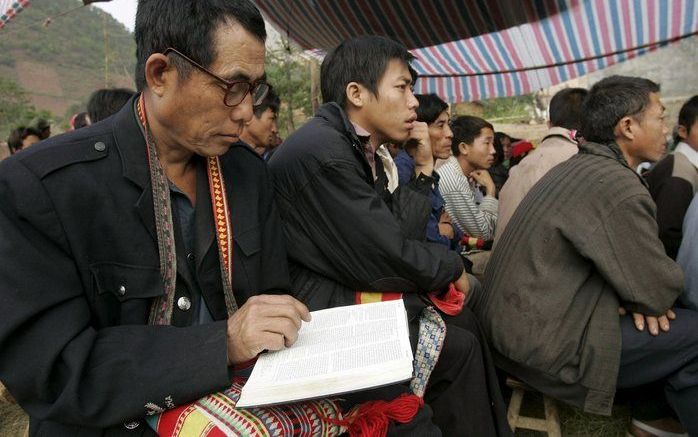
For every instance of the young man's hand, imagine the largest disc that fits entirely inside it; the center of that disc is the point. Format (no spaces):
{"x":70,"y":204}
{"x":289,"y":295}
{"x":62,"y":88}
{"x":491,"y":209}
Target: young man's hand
{"x":264,"y":322}
{"x":419,"y":147}
{"x":483,"y":178}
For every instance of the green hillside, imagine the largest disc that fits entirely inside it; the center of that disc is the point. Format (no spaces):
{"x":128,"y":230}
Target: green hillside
{"x":59,"y":62}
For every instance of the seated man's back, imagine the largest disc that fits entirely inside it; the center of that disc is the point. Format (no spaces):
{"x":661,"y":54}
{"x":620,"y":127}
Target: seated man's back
{"x":582,"y":244}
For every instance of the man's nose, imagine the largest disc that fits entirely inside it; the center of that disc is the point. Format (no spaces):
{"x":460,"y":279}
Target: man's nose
{"x":243,"y":111}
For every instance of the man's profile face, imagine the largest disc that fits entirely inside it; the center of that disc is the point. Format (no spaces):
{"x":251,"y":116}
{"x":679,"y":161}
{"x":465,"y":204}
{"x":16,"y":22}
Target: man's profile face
{"x":391,"y":113}
{"x":262,"y":131}
{"x":440,"y":136}
{"x":649,"y":142}
{"x":480,"y":154}
{"x":196,"y":116}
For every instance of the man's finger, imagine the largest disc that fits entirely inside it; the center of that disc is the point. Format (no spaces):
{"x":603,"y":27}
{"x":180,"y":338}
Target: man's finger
{"x":280,"y":325}
{"x":663,"y":323}
{"x":639,"y":320}
{"x":671,"y":314}
{"x":652,"y":325}
{"x":271,"y":341}
{"x":286,"y":304}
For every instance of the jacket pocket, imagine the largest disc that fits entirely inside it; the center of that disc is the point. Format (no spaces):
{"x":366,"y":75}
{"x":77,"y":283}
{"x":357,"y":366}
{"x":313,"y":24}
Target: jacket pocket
{"x":124,"y":293}
{"x":249,"y":241}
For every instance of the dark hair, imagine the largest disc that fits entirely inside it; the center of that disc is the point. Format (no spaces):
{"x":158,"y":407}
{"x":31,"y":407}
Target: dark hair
{"x":106,"y":102}
{"x":17,"y":136}
{"x":430,"y":107}
{"x":80,"y":120}
{"x":566,"y":108}
{"x":363,"y":60}
{"x":465,"y":129}
{"x":610,"y":100}
{"x":689,"y":113}
{"x":189,"y":27}
{"x":498,"y":147}
{"x":14,"y":140}
{"x":271,"y":101}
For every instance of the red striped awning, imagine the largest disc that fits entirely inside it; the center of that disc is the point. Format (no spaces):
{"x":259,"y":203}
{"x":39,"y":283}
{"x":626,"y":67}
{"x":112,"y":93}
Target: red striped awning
{"x":10,"y":8}
{"x":558,"y":40}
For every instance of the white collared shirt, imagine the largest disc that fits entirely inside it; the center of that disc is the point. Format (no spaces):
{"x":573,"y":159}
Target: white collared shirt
{"x":689,"y":152}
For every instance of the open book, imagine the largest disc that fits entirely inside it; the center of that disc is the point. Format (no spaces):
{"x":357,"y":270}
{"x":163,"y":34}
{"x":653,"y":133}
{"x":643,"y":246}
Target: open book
{"x":340,"y":350}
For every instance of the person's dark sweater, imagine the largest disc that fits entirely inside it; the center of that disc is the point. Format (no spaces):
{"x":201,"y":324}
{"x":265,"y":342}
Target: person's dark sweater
{"x":673,"y":183}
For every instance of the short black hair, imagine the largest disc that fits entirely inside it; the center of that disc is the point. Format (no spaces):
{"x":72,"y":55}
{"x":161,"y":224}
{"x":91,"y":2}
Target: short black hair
{"x":188,"y":26}
{"x":363,"y":60}
{"x":611,"y":99}
{"x":566,"y":108}
{"x":465,"y":129}
{"x":689,"y":113}
{"x":430,"y":107}
{"x":106,"y":102}
{"x":271,"y":101}
{"x":80,"y":120}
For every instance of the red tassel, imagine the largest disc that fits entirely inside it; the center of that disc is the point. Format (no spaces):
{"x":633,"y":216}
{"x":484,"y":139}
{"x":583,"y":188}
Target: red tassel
{"x":450,"y":303}
{"x":371,"y":419}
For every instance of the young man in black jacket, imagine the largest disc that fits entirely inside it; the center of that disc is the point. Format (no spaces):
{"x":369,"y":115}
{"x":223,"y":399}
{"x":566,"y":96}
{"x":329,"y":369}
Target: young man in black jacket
{"x":347,"y":232}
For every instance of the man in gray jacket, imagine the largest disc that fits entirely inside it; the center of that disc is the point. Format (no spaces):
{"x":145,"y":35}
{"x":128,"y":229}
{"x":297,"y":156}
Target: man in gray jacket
{"x":581,"y":247}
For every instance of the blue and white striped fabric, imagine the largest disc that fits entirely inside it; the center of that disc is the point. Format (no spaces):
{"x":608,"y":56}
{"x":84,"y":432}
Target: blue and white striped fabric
{"x":497,"y":39}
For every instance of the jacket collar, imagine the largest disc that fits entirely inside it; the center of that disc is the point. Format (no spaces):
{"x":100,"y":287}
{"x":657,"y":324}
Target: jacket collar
{"x":131,"y":144}
{"x":611,"y":151}
{"x":338,"y":119}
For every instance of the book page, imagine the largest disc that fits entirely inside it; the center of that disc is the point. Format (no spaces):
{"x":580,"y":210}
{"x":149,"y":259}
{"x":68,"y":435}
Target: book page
{"x":340,"y":349}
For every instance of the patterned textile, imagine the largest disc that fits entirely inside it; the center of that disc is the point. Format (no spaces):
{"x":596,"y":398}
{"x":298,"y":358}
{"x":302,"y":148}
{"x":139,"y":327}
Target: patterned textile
{"x":215,"y":415}
{"x":432,"y":332}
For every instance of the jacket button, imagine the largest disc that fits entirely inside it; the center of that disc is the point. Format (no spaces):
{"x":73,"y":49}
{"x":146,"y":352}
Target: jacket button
{"x":100,"y":146}
{"x":122,"y":290}
{"x":183,"y":303}
{"x":131,"y":425}
{"x":191,"y":256}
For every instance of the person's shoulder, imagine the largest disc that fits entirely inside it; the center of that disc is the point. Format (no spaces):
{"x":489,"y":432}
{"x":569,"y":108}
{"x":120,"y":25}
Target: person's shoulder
{"x":64,"y":150}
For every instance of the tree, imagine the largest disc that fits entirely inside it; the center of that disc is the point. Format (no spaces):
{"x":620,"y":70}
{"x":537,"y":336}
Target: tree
{"x":288,"y":73}
{"x":15,"y":108}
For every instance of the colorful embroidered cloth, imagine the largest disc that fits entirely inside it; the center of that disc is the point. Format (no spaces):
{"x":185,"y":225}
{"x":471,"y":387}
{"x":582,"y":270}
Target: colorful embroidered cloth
{"x":215,"y":415}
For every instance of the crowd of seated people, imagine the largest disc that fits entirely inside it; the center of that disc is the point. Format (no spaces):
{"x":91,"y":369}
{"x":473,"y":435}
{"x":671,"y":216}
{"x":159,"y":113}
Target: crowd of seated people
{"x":580,"y":298}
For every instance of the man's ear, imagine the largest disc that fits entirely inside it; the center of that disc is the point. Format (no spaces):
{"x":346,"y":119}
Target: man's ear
{"x":626,"y":128}
{"x":463,"y":148}
{"x":682,"y":131}
{"x":159,"y":73}
{"x":356,"y":94}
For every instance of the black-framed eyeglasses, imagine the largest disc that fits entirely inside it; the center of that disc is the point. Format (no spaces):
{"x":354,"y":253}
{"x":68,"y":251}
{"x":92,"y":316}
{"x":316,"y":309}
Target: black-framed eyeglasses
{"x":236,"y":91}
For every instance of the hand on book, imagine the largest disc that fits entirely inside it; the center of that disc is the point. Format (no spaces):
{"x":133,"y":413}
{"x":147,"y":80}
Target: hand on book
{"x":264,"y":322}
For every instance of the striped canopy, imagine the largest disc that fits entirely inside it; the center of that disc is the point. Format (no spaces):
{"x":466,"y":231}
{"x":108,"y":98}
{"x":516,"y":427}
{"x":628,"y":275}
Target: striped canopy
{"x":10,"y":8}
{"x":475,"y":49}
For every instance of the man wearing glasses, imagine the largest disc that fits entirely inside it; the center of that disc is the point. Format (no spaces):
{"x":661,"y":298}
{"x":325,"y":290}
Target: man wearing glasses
{"x":142,"y":257}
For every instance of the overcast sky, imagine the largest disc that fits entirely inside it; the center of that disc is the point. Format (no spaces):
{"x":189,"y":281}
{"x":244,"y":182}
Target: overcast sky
{"x":123,"y":11}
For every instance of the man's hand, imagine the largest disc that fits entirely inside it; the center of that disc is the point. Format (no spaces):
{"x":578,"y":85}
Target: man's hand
{"x":463,"y":285}
{"x":419,"y":147}
{"x":654,"y":324}
{"x":446,"y":227}
{"x":268,"y":322}
{"x":483,"y":178}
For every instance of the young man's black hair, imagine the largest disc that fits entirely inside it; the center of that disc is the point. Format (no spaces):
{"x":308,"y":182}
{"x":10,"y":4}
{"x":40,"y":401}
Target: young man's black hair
{"x":271,"y":101}
{"x":430,"y":107}
{"x":689,"y":113}
{"x":465,"y":129}
{"x":180,"y":25}
{"x":611,"y":99}
{"x":106,"y":102}
{"x":566,"y":108}
{"x":362,"y":60}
